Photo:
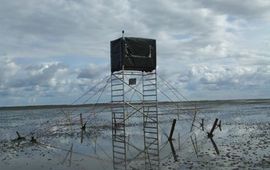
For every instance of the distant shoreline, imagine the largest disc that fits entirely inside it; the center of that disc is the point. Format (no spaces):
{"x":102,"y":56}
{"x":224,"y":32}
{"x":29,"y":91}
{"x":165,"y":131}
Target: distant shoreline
{"x":249,"y":101}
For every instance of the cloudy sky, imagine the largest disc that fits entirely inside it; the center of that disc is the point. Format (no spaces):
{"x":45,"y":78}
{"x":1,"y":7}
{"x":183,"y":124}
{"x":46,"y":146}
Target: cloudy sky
{"x":52,"y":51}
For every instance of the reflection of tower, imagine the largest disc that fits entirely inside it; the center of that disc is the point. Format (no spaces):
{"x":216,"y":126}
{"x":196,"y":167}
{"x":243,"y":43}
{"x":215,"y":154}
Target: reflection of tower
{"x":150,"y":120}
{"x":133,"y":68}
{"x":118,"y":120}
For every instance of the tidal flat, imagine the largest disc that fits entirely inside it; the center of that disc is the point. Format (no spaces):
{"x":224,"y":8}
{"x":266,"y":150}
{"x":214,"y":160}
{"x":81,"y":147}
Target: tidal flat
{"x":243,"y":139}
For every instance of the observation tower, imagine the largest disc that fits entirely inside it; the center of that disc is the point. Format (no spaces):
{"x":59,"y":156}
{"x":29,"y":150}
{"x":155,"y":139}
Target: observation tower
{"x":134,"y":91}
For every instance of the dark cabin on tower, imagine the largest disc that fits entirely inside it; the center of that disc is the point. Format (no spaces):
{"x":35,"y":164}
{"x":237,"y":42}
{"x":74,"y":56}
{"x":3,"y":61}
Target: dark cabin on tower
{"x":130,"y":53}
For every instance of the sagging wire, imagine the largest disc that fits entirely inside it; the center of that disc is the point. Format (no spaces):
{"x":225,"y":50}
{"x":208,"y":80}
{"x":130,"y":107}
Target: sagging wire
{"x":168,"y":98}
{"x":171,"y":87}
{"x":89,"y":90}
{"x":63,"y":111}
{"x":102,"y":90}
{"x":89,"y":98}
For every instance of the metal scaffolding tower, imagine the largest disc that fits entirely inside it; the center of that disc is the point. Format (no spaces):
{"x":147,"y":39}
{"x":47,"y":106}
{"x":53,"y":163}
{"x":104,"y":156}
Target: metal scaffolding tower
{"x":133,"y":68}
{"x":150,"y":120}
{"x":118,"y":120}
{"x":124,"y":107}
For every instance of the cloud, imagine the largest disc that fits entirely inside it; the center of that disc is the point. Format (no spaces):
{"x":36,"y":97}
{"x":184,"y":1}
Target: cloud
{"x":250,"y":9}
{"x":47,"y":81}
{"x":85,"y":27}
{"x":8,"y":69}
{"x":57,"y":48}
{"x":91,"y":71}
{"x":222,"y":79}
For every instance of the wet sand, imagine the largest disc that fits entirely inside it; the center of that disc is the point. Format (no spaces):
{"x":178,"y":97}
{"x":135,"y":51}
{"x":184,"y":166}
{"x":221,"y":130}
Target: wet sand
{"x":246,"y":146}
{"x":244,"y":142}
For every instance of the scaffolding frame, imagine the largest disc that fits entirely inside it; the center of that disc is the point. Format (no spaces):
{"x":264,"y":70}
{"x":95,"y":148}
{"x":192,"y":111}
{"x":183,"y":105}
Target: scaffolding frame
{"x":147,"y":106}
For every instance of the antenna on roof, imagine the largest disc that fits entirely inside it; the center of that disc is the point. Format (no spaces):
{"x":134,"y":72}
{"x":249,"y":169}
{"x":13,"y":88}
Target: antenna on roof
{"x":123,"y":32}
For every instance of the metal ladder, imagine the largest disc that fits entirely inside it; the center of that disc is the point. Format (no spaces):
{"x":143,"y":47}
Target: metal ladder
{"x":150,"y":121}
{"x":118,"y":120}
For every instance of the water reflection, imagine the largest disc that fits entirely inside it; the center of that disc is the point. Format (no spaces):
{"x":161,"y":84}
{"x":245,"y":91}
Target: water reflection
{"x":68,"y":156}
{"x":241,"y":144}
{"x":144,"y":158}
{"x":138,"y":150}
{"x":129,"y":153}
{"x":175,"y":156}
{"x":133,"y":150}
